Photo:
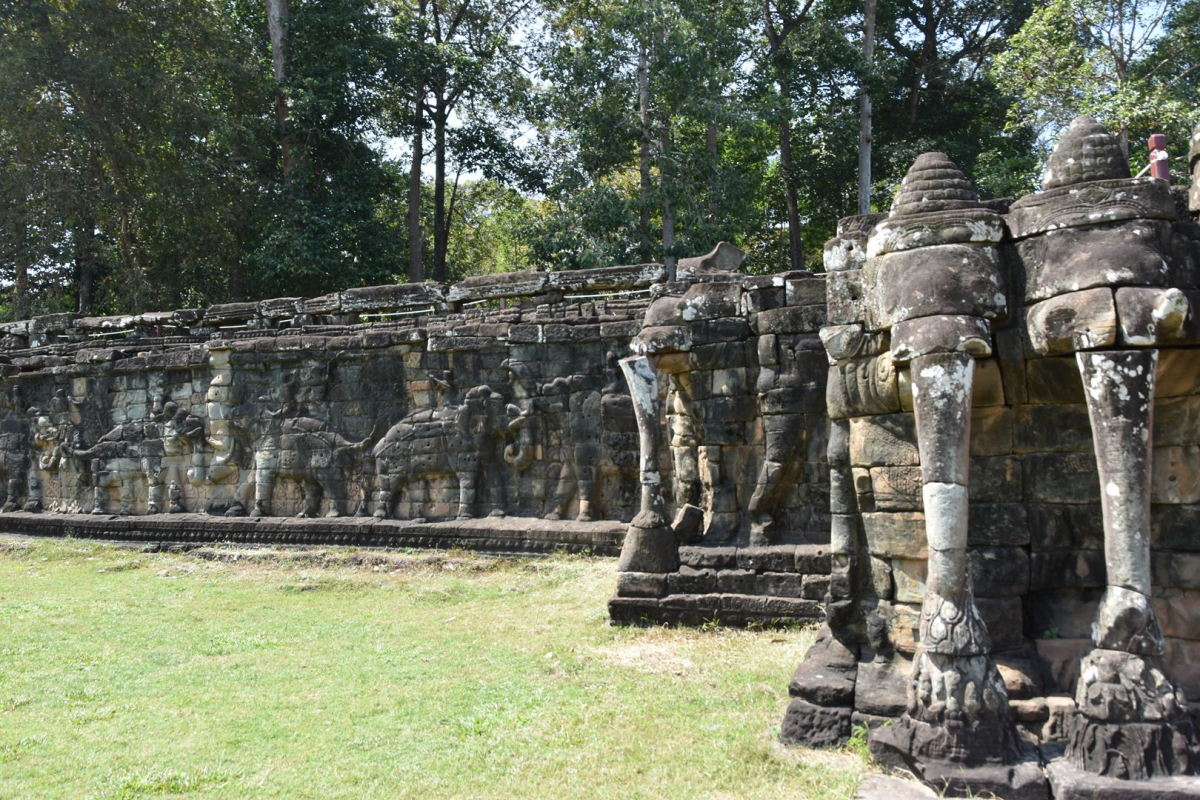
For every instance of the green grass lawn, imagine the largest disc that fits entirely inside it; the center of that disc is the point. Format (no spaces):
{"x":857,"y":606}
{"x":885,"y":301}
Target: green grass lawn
{"x":353,"y":673}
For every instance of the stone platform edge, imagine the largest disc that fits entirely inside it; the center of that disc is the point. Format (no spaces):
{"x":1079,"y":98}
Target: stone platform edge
{"x":508,"y":535}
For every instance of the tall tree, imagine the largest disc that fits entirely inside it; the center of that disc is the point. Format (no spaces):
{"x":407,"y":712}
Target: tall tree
{"x":1093,"y":57}
{"x":864,"y":108}
{"x":134,"y":135}
{"x":327,"y":232}
{"x":933,"y":90}
{"x":471,"y":67}
{"x":416,"y":244}
{"x":781,"y":19}
{"x":277,"y":20}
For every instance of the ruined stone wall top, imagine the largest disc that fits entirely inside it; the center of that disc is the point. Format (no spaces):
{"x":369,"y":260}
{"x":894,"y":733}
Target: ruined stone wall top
{"x":426,"y":302}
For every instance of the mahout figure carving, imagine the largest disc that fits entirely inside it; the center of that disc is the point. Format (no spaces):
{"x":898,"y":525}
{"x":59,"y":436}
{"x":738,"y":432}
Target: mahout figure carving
{"x":574,"y":404}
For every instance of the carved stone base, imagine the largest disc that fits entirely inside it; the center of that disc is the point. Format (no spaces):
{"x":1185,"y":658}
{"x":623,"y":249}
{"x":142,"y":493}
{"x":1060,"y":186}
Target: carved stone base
{"x":827,"y":675}
{"x":1068,"y":782}
{"x":953,"y":690}
{"x":650,"y":545}
{"x":1132,"y":723}
{"x":1116,"y":686}
{"x":698,"y":609}
{"x":962,"y":762}
{"x":811,"y":725}
{"x":1133,"y":751}
{"x":908,"y":742}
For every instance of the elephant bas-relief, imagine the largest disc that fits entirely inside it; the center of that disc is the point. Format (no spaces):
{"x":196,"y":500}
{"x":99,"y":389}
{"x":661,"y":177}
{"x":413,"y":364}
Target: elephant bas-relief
{"x":455,"y":441}
{"x":13,"y":462}
{"x":129,"y":451}
{"x":305,"y":450}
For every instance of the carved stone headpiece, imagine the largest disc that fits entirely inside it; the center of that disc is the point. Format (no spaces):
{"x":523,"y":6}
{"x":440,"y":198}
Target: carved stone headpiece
{"x":1086,"y":152}
{"x":935,"y":254}
{"x":936,"y":205}
{"x":1087,"y":182}
{"x":933,"y":183}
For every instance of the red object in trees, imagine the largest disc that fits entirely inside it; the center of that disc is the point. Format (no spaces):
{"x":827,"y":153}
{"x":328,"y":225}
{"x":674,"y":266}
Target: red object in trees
{"x":1160,"y":164}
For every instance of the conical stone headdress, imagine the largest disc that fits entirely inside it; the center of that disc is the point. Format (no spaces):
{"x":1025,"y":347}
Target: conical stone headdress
{"x":933,"y":183}
{"x":1086,"y":152}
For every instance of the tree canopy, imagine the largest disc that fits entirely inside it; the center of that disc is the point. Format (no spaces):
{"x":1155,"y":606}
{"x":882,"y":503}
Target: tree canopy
{"x":167,"y":154}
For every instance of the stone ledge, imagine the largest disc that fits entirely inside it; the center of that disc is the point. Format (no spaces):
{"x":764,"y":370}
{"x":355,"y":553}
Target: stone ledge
{"x":792,"y":558}
{"x":727,"y":609}
{"x":1069,"y":783}
{"x":499,"y":535}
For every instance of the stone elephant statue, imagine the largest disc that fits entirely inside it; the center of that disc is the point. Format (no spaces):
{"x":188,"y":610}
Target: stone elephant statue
{"x":306,"y":451}
{"x":464,"y":441}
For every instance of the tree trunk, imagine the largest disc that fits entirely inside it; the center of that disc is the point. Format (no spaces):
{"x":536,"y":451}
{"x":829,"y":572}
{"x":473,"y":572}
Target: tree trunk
{"x":668,"y":205}
{"x":713,"y":175}
{"x":710,"y":145}
{"x":134,"y":277}
{"x":234,"y":287}
{"x":20,"y":292}
{"x":277,"y":17}
{"x":643,"y":82}
{"x":795,"y":248}
{"x":416,"y":264}
{"x":865,"y":137}
{"x":85,"y":264}
{"x":928,"y":59}
{"x":439,"y":190}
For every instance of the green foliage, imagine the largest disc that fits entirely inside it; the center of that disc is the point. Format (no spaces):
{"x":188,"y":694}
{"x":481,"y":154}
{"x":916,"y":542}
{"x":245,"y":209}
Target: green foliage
{"x":143,"y":144}
{"x":858,"y":743}
{"x":128,"y":143}
{"x":1121,"y":61}
{"x":326,"y":233}
{"x":489,"y":230}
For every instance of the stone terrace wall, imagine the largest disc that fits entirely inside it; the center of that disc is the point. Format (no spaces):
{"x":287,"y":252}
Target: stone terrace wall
{"x":407,"y":402}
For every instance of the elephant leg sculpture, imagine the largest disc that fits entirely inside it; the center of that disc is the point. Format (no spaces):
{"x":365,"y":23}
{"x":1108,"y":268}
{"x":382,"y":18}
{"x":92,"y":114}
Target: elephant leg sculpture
{"x":650,"y":543}
{"x":468,"y":476}
{"x":265,"y":463}
{"x":385,"y":489}
{"x":155,"y":488}
{"x":955,"y":678}
{"x":936,"y":276}
{"x":1132,"y":721}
